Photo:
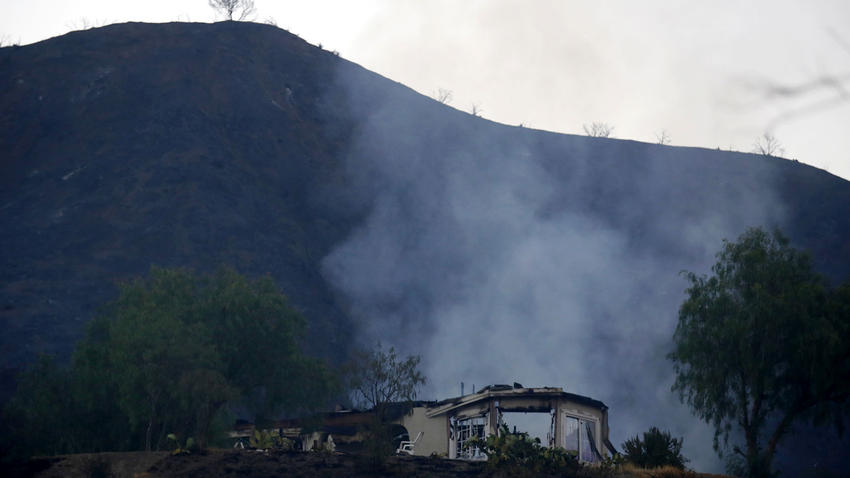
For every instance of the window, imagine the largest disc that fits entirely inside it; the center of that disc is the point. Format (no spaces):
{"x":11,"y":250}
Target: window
{"x":579,"y":437}
{"x":588,"y":447}
{"x":571,"y":435}
{"x":536,"y":424}
{"x":467,"y":429}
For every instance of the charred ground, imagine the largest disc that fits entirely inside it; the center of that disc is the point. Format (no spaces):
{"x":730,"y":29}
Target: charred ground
{"x":222,"y":463}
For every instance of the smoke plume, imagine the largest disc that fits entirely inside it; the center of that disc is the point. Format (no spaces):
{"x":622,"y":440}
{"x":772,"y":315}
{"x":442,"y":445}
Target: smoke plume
{"x":503,"y":254}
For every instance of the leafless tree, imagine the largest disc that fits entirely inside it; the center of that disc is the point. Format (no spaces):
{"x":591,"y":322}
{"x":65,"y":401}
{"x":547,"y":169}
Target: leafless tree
{"x":380,"y":377}
{"x":767,"y":145}
{"x":598,"y":130}
{"x":476,"y":109}
{"x":244,"y":8}
{"x":84,"y":23}
{"x":81,"y":23}
{"x":663,"y":137}
{"x":443,"y":95}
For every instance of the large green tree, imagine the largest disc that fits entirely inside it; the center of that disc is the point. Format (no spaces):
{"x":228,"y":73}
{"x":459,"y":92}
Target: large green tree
{"x":762,"y":343}
{"x":172,"y":353}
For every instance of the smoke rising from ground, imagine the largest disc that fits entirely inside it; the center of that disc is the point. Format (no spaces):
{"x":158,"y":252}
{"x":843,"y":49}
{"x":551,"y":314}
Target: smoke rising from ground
{"x":501,"y":254}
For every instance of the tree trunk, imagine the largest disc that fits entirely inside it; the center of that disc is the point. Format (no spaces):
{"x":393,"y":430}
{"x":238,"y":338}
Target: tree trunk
{"x":150,"y":426}
{"x":779,"y":433}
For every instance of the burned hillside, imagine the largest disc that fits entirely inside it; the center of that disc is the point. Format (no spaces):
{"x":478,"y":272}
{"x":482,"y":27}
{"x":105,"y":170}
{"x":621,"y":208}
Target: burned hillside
{"x":381,"y":213}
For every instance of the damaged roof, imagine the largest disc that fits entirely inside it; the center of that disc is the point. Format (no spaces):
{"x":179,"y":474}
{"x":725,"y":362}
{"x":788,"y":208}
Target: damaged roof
{"x":509,"y":391}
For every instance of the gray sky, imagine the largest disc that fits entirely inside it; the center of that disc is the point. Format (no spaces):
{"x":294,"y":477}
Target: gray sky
{"x":701,"y":71}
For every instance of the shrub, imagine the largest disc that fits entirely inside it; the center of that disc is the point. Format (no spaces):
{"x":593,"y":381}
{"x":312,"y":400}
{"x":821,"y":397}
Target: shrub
{"x":266,"y":440}
{"x":656,"y":449}
{"x":187,"y":447}
{"x":519,"y":455}
{"x":598,"y":130}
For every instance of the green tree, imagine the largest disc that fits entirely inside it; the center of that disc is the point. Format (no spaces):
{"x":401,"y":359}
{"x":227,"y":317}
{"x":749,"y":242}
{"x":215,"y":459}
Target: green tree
{"x":654,"y":450}
{"x":42,"y":397}
{"x":95,"y":393}
{"x":258,"y":335}
{"x":760,"y":344}
{"x":172,"y":354}
{"x":155,"y":336}
{"x":194,"y":344}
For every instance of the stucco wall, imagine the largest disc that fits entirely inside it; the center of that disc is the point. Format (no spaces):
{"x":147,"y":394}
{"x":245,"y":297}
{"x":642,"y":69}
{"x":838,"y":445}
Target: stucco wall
{"x":435,"y":438}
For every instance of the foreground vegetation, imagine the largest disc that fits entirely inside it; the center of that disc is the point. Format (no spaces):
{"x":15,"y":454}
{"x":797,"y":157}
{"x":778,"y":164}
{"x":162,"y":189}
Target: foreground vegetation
{"x":760,"y":345}
{"x":655,"y":449}
{"x":250,"y":464}
{"x":172,"y":355}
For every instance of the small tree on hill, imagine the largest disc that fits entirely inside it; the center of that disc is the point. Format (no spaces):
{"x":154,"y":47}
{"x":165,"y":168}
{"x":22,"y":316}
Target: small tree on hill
{"x":598,"y":130}
{"x":443,"y":95}
{"x":767,"y":145}
{"x":244,"y":9}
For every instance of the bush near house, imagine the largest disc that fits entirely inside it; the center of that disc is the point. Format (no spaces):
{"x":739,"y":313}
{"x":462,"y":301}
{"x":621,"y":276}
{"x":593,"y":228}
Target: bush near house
{"x":516,"y":454}
{"x":656,"y":449}
{"x":265,"y":440}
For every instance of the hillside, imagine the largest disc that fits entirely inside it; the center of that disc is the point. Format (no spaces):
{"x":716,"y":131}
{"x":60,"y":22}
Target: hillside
{"x":381,"y":213}
{"x":172,"y":145}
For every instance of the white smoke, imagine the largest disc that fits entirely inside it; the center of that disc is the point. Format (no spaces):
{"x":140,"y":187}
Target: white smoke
{"x":495,"y":263}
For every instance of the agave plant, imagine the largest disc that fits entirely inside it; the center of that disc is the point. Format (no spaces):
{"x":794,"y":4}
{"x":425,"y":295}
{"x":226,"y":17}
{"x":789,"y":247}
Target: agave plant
{"x":185,"y":449}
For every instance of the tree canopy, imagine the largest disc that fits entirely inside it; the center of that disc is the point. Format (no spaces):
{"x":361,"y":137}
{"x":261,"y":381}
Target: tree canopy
{"x":173,"y":353}
{"x":760,"y":344}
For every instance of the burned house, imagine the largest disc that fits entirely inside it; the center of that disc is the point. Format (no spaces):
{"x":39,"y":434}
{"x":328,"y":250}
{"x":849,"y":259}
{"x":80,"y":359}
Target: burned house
{"x":575,"y":423}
